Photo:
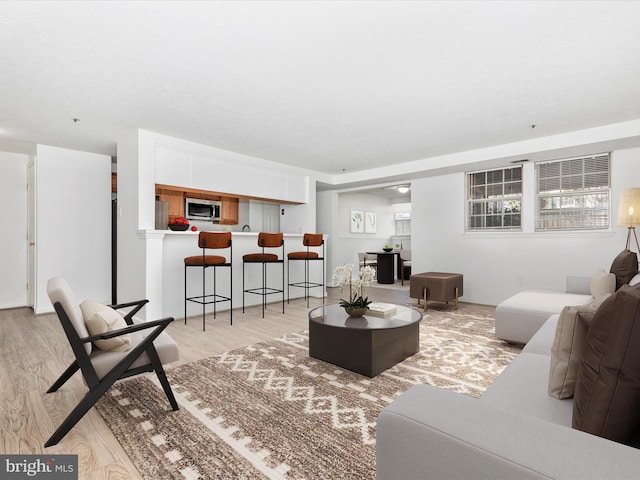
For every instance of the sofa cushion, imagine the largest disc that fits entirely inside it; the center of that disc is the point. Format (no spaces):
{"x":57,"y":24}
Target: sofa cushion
{"x":624,"y":267}
{"x":566,"y":350}
{"x":519,"y":317}
{"x":567,"y":346}
{"x":607,"y":393}
{"x":542,"y":341}
{"x":602,"y":283}
{"x":430,"y":432}
{"x":103,"y":319}
{"x":522,"y":388}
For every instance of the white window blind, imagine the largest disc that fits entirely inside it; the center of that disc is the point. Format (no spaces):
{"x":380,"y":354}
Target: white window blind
{"x":494,"y":199}
{"x":403,"y":223}
{"x":574,"y":193}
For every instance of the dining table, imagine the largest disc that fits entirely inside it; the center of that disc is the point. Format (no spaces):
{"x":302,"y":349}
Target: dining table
{"x":385,"y":270}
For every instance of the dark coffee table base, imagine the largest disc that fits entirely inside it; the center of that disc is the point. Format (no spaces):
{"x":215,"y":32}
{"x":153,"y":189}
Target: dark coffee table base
{"x":364,"y":351}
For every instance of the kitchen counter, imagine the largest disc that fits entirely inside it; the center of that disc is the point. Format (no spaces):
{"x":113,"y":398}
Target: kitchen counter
{"x":241,"y":234}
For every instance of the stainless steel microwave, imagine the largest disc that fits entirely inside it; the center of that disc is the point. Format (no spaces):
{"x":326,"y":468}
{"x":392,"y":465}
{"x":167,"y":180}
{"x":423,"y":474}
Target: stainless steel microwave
{"x":199,"y":209}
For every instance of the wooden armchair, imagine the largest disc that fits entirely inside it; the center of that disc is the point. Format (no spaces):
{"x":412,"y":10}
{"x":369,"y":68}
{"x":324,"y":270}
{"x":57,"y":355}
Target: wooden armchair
{"x":136,"y":348}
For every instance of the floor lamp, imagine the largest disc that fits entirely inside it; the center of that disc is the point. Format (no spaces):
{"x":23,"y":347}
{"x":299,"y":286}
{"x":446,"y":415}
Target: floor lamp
{"x":629,"y":213}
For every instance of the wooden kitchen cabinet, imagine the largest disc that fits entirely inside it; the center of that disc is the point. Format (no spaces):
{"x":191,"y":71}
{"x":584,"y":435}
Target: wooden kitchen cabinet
{"x":200,"y":195}
{"x":175,"y":201}
{"x":210,"y":196}
{"x":229,"y":211}
{"x":175,"y":196}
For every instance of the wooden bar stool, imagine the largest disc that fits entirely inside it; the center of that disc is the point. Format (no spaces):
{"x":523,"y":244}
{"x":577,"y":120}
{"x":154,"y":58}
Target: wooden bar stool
{"x":213,"y":241}
{"x":309,"y":240}
{"x":265,"y":240}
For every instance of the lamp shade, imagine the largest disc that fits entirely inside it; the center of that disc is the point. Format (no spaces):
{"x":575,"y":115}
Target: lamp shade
{"x":629,"y":209}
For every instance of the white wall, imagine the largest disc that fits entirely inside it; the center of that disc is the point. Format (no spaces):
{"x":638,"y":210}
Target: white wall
{"x":497,"y":265}
{"x":13,"y":240}
{"x":327,"y":223}
{"x":264,"y":216}
{"x":334,"y":213}
{"x":300,"y":218}
{"x":131,"y":251}
{"x":73,"y":223}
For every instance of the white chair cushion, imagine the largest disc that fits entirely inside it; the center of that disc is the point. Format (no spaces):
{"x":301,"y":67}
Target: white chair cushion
{"x":167,"y":348}
{"x":60,"y":291}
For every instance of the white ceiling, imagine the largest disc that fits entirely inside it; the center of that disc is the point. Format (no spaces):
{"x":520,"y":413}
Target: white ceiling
{"x":330,"y":86}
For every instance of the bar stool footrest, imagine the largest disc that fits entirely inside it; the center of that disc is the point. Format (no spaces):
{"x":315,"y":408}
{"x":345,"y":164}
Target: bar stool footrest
{"x":306,"y":284}
{"x":264,"y":291}
{"x":201,"y":299}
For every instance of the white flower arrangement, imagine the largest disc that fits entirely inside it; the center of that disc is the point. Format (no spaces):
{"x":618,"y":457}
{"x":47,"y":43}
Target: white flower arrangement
{"x":343,"y":276}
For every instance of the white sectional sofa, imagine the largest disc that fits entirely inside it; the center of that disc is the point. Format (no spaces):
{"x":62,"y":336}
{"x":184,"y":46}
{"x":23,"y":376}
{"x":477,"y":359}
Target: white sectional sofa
{"x":519,"y":317}
{"x":515,"y":430}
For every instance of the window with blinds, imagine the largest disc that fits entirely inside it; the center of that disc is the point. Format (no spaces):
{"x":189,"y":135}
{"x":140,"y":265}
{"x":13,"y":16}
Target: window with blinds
{"x":574,"y":193}
{"x":403,"y":223}
{"x":494,"y":199}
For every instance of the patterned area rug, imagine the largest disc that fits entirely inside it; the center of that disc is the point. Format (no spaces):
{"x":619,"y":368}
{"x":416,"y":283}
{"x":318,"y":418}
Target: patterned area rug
{"x":271,"y":411}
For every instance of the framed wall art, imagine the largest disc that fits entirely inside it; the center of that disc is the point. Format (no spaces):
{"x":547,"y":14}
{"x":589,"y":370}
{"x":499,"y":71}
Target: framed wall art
{"x":370,"y":222}
{"x":357,"y":221}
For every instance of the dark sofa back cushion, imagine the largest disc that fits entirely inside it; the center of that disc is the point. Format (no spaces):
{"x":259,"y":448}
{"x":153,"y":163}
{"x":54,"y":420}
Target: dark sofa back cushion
{"x":607,"y":393}
{"x":624,"y":267}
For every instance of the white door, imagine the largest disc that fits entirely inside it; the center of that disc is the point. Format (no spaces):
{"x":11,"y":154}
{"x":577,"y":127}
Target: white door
{"x":31,"y":234}
{"x":13,"y":237}
{"x":270,"y":217}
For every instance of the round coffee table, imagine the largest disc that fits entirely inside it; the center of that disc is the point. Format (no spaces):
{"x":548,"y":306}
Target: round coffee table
{"x":367,"y":345}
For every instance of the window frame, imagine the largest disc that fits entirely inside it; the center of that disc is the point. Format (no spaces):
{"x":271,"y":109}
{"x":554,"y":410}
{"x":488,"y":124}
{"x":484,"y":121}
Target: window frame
{"x":406,"y":221}
{"x":567,"y":197}
{"x":488,"y":198}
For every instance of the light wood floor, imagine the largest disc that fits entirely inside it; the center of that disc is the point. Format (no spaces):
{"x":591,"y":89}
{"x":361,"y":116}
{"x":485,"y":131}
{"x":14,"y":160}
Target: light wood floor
{"x":34,"y":351}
